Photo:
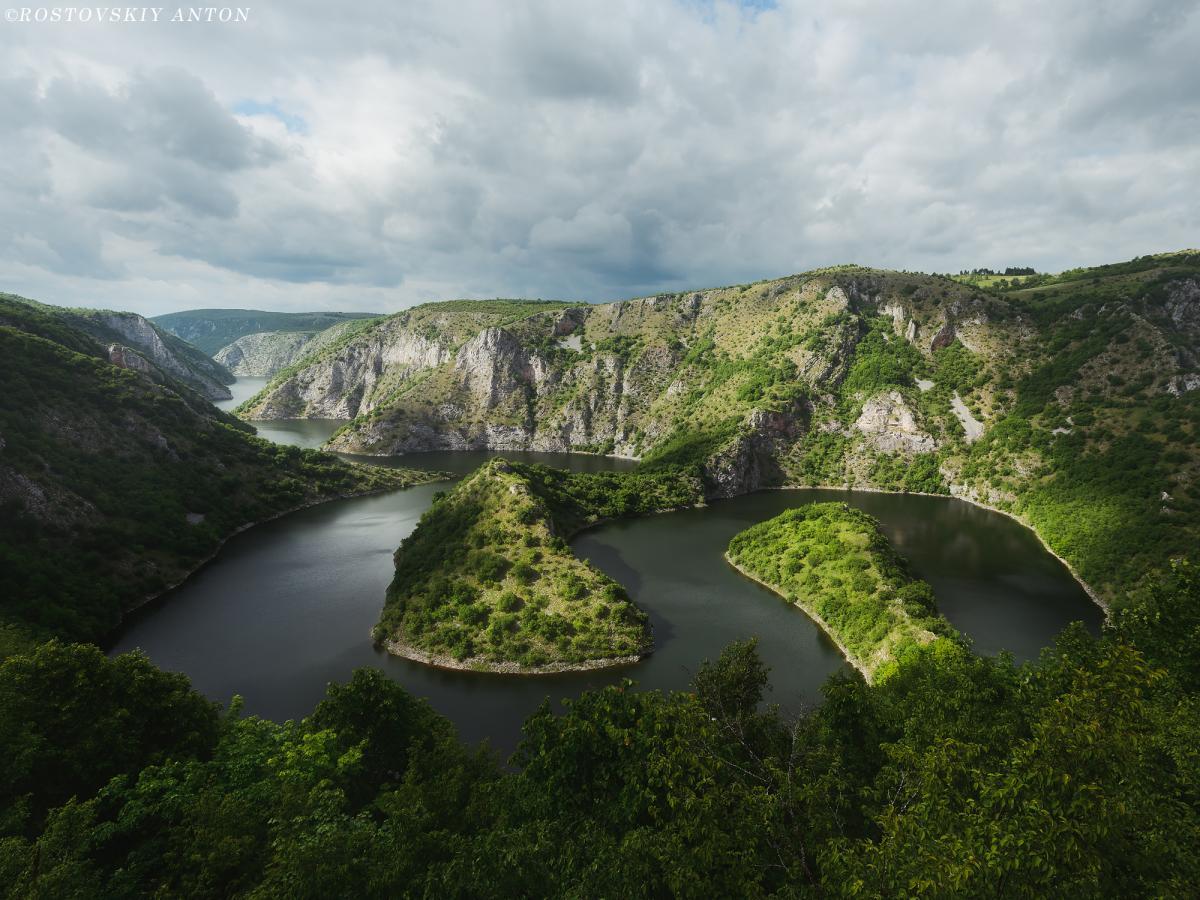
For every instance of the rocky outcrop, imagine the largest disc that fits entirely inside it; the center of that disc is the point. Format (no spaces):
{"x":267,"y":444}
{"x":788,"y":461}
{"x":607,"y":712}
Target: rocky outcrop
{"x":262,"y":355}
{"x":493,"y":366}
{"x":972,"y":427}
{"x":824,"y":365}
{"x":944,"y":338}
{"x":354,"y":380}
{"x":124,"y":358}
{"x":168,"y":353}
{"x":890,"y":425}
{"x":751,"y":461}
{"x":1183,"y":302}
{"x":1181,"y":384}
{"x":902,"y":322}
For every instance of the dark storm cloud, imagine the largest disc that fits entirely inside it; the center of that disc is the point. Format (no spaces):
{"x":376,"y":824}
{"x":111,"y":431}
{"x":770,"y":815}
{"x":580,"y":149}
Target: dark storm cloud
{"x":404,"y":152}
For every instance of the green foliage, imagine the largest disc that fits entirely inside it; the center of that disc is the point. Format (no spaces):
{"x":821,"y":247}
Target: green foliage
{"x":1165,"y":624}
{"x":70,"y":719}
{"x":1073,"y":343}
{"x":689,"y":448}
{"x":916,"y":474}
{"x":731,"y":688}
{"x":111,"y":465}
{"x":1094,"y":489}
{"x":956,"y":776}
{"x":881,"y":362}
{"x":997,"y":782}
{"x":957,"y":368}
{"x":620,"y":345}
{"x":822,"y":458}
{"x":577,"y":499}
{"x":486,"y":576}
{"x":832,"y":561}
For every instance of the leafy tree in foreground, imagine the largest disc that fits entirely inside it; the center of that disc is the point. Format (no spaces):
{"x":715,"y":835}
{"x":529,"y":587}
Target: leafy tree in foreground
{"x":956,"y":776}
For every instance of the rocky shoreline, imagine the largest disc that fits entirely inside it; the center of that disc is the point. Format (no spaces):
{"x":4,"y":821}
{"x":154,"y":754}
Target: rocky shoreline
{"x":479,"y":664}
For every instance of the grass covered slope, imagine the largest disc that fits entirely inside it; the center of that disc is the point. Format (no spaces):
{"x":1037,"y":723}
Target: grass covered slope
{"x":114,"y":486}
{"x":486,"y":580}
{"x":833,"y":562}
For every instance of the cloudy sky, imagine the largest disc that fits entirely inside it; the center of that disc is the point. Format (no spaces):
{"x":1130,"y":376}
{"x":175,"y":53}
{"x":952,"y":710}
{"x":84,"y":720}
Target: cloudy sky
{"x":329,"y":156}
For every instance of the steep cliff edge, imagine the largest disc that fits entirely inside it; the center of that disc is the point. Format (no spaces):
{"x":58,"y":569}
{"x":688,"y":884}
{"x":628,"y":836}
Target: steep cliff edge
{"x":1071,"y":403}
{"x":361,"y":367}
{"x":262,"y":355}
{"x":730,"y":378}
{"x":174,"y":356}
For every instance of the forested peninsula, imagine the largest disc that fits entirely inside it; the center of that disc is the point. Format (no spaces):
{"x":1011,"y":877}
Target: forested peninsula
{"x":487,"y":581}
{"x":834,"y":563}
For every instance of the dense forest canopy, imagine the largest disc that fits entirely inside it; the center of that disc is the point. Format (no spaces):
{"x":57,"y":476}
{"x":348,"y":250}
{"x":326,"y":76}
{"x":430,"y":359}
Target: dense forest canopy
{"x":956,"y":776}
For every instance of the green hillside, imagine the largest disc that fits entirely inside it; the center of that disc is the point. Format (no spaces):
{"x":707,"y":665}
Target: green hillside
{"x":833,"y":562}
{"x":114,"y":486}
{"x":487,"y":581}
{"x":1072,"y":403}
{"x":163,"y":351}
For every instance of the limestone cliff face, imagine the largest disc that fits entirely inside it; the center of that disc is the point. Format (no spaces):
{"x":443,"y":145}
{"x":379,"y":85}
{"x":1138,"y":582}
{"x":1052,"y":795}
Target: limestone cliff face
{"x":934,"y":326}
{"x":890,"y":425}
{"x":495,"y":369}
{"x":170,"y":354}
{"x":547,"y":383}
{"x":262,"y":355}
{"x":354,"y":380}
{"x":751,"y":461}
{"x":1182,"y":303}
{"x":744,"y":368}
{"x":750,"y":381}
{"x":124,"y":358}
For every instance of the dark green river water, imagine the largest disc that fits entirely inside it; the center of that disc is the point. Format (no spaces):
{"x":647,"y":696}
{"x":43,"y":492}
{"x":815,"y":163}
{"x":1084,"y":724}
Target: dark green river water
{"x":288,"y":606}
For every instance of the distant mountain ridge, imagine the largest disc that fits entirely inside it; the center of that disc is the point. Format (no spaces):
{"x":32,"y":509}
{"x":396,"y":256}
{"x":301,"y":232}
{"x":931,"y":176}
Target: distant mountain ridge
{"x":212,"y":329}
